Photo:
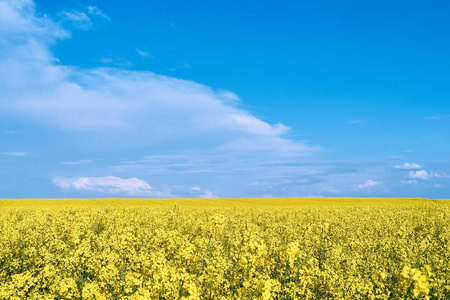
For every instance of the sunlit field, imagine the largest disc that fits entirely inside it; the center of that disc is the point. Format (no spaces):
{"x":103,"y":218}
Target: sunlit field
{"x":208,"y":203}
{"x":292,"y":248}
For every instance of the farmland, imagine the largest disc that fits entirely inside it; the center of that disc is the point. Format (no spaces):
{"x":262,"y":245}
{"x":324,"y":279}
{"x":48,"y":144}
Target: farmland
{"x":290,"y":248}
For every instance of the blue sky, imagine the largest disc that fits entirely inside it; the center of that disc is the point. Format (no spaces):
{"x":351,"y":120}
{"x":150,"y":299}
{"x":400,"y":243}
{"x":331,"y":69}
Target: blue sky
{"x":224,"y":99}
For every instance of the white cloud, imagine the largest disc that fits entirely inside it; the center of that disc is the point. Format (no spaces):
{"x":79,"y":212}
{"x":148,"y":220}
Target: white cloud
{"x":228,"y":96}
{"x":18,"y":17}
{"x":143,"y":53}
{"x":368,"y":184}
{"x":78,"y":19}
{"x":114,"y":61}
{"x":421,"y":174}
{"x":138,"y":105}
{"x":107,"y":184}
{"x":78,"y":162}
{"x":408,"y":166}
{"x":208,"y":195}
{"x":424,"y":175}
{"x":130,"y":187}
{"x":408,"y":181}
{"x":200,"y":193}
{"x":15,"y":153}
{"x":219,"y":164}
{"x":95,"y":11}
{"x":180,"y":67}
{"x":251,"y":124}
{"x":81,"y":19}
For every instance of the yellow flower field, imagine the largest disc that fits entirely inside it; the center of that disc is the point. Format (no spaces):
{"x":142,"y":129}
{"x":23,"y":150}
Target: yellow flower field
{"x":224,"y":249}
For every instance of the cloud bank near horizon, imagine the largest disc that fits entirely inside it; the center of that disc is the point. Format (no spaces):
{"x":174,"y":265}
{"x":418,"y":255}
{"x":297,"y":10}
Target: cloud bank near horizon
{"x":128,"y":187}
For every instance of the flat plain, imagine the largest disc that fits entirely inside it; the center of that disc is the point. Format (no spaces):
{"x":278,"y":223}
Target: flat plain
{"x":210,"y":203}
{"x":282,"y":248}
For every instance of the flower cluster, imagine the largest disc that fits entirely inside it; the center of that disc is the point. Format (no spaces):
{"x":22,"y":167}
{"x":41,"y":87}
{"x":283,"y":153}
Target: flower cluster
{"x":119,"y":252}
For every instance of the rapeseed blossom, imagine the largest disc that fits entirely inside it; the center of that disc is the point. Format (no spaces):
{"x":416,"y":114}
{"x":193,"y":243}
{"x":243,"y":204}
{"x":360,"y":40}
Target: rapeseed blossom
{"x":351,"y":252}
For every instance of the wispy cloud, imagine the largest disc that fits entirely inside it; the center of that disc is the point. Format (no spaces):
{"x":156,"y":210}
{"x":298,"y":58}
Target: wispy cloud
{"x":408,"y":181}
{"x":77,"y":162}
{"x":408,"y":166}
{"x":368,"y":184}
{"x":82,"y":18}
{"x":128,"y":186}
{"x":203,"y":193}
{"x":180,"y":67}
{"x":107,"y":184}
{"x":356,"y":121}
{"x":226,"y":163}
{"x":15,"y":153}
{"x":264,"y":174}
{"x":438,"y":118}
{"x":77,"y":18}
{"x":115,"y":61}
{"x":143,"y":53}
{"x":208,"y":195}
{"x":95,"y":11}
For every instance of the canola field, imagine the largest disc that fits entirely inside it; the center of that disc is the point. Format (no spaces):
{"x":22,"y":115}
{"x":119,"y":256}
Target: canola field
{"x":224,"y":249}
